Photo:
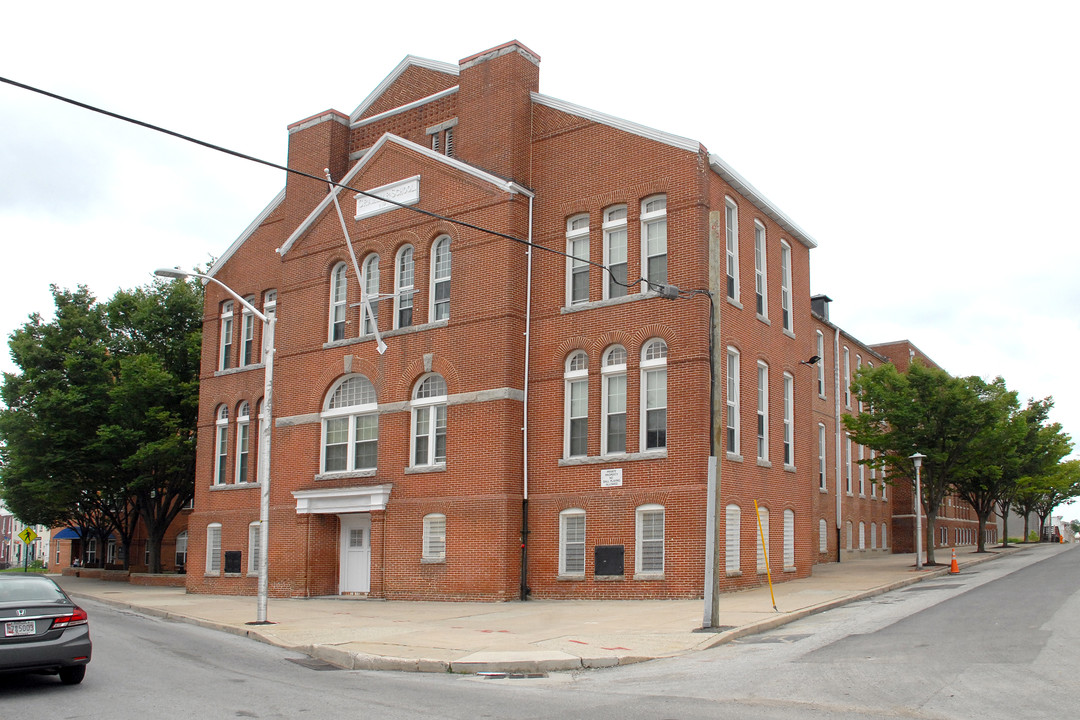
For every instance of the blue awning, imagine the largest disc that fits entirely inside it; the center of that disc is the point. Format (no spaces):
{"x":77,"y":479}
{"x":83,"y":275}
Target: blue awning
{"x":68,"y":534}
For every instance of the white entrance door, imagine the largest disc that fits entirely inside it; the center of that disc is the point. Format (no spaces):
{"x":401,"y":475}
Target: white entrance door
{"x":355,"y":553}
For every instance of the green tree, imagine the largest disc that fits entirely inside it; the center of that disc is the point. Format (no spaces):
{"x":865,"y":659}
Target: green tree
{"x":925,"y":410}
{"x":1060,"y":485}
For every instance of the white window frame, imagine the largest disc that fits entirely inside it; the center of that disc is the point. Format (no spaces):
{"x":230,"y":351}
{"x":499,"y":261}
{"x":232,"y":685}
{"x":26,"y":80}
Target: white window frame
{"x":847,"y":466}
{"x":566,"y":544}
{"x":862,"y":535}
{"x":354,"y":416}
{"x":789,"y":420}
{"x":427,"y":411}
{"x":225,"y":341}
{"x":761,"y":272}
{"x":577,"y":241}
{"x":253,"y":548}
{"x":646,"y":538}
{"x":823,"y":536}
{"x":763,"y":411}
{"x":822,"y":392}
{"x":847,"y":378}
{"x":221,"y":446}
{"x":862,"y":473}
{"x":789,"y":541}
{"x":653,"y":219}
{"x":823,"y":480}
{"x":575,"y":379}
{"x":243,"y":443}
{"x":873,"y":536}
{"x":213,"y":549}
{"x":732,"y":434}
{"x":440,"y":279}
{"x":653,"y":377}
{"x":180,"y":551}
{"x":731,"y":253}
{"x":762,"y":531}
{"x":404,"y":286}
{"x":613,"y":375}
{"x":614,"y":286}
{"x":370,"y":279}
{"x":434,"y":540}
{"x":732,"y":540}
{"x":339,"y":303}
{"x":247,"y":335}
{"x":884,"y":537}
{"x":858,"y":366}
{"x":787,"y":315}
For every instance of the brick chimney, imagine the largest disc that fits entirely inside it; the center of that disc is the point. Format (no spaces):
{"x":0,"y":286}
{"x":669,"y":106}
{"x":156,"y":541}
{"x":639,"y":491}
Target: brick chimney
{"x":318,"y":142}
{"x":494,"y":129}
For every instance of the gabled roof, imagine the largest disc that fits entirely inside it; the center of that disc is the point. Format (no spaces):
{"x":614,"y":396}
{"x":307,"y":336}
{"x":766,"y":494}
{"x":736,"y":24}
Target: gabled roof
{"x":497,"y":182}
{"x":248,"y":232}
{"x":409,"y":61}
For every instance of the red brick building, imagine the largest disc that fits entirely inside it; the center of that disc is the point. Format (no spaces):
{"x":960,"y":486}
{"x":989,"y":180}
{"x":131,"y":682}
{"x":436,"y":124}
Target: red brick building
{"x":582,"y":313}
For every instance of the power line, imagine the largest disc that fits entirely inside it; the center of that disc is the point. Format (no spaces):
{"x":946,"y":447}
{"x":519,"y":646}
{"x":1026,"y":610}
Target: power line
{"x":252,"y":158}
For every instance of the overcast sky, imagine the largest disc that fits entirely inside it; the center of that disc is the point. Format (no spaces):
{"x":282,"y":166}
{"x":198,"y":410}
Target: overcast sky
{"x":930,"y":148}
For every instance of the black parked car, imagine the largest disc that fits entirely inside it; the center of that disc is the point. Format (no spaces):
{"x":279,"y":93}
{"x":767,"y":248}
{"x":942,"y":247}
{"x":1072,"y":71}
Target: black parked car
{"x":41,"y":629}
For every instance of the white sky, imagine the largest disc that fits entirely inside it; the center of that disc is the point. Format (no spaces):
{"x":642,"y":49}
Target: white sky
{"x":926,"y":146}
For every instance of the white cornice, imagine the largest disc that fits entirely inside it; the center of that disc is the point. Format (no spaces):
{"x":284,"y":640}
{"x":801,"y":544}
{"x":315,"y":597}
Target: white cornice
{"x":497,"y":182}
{"x":683,"y":143}
{"x":410,"y":60}
{"x":248,"y":231}
{"x":405,"y":108}
{"x":741,"y":186}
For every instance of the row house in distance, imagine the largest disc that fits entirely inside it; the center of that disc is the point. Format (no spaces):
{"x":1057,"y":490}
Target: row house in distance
{"x":578,"y":313}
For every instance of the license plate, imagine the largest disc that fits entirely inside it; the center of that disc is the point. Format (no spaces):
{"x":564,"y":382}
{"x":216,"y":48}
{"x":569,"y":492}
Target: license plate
{"x":20,"y":628}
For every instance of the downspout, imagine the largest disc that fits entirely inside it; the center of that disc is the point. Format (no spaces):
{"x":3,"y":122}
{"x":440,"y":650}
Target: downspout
{"x":836,"y":380}
{"x":525,"y":419}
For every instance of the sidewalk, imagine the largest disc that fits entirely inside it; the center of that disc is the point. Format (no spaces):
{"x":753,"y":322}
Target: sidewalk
{"x":517,"y":637}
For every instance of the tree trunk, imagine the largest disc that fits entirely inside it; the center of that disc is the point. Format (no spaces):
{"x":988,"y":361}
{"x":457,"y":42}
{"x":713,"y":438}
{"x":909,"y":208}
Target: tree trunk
{"x":1027,"y":516}
{"x":1005,"y":524}
{"x":983,"y":517}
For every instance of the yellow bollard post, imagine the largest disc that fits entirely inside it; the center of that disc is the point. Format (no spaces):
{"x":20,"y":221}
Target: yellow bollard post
{"x":765,"y":553}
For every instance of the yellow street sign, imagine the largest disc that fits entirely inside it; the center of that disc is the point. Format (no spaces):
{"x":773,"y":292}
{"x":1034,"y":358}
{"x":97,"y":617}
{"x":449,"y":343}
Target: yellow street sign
{"x":28,"y":535}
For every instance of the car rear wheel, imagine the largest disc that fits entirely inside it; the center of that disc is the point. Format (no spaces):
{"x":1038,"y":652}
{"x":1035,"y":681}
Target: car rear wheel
{"x":72,"y":675}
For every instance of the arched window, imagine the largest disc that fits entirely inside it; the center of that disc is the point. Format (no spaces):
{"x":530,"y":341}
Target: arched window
{"x":873,"y":536}
{"x":350,"y":426}
{"x":654,"y":395}
{"x":247,"y":334}
{"x":862,"y":535}
{"x":572,"y":542}
{"x":429,"y":421}
{"x":785,"y":287}
{"x":789,"y":541}
{"x":225,"y":359}
{"x":213,"y":548}
{"x":649,"y":552}
{"x":654,"y":260}
{"x":243,"y":439}
{"x":761,"y":276}
{"x":734,"y":440}
{"x":849,"y":534}
{"x":577,"y":262}
{"x":762,"y":411}
{"x":823,"y":536}
{"x":576,"y":405}
{"x":762,"y":539}
{"x":371,"y":288}
{"x":221,"y":446}
{"x":615,"y":251}
{"x":884,"y":537}
{"x":403,"y":288}
{"x":613,"y":372}
{"x":731,"y":236}
{"x":338,"y":301}
{"x":440,"y":279}
{"x":733,"y":540}
{"x":434,"y":537}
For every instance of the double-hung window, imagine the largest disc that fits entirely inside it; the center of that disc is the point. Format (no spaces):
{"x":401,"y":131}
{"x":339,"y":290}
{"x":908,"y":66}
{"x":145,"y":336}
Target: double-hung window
{"x":403,"y":288}
{"x":338,"y":302}
{"x":615,"y":257}
{"x":221,"y":446}
{"x":371,"y":290}
{"x":577,"y":264}
{"x":820,"y":364}
{"x":762,"y":411}
{"x":440,"y":279}
{"x":613,"y":371}
{"x":654,"y":395}
{"x":789,"y":420}
{"x":576,"y":402}
{"x":847,"y":378}
{"x":654,"y":241}
{"x":731,"y":234}
{"x":649,"y":554}
{"x":572,"y":542}
{"x":733,"y":401}
{"x":243,"y":440}
{"x":213,"y":548}
{"x":225,"y":361}
{"x":429,"y":422}
{"x":785,"y":286}
{"x":761,"y":277}
{"x":247,"y":334}
{"x":821,"y":465}
{"x":351,"y":426}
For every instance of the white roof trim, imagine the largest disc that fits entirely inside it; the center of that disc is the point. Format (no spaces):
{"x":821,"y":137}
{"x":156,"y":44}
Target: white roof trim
{"x":404,"y":108}
{"x":683,"y":143}
{"x":501,"y":184}
{"x":248,"y":231}
{"x":741,"y":186}
{"x":410,"y":60}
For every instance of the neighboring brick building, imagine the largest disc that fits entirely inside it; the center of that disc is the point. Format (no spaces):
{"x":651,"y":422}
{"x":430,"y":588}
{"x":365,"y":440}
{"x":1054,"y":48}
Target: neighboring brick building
{"x":553,"y":410}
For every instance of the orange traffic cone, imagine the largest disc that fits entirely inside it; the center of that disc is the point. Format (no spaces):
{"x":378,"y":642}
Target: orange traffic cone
{"x":954,"y":569}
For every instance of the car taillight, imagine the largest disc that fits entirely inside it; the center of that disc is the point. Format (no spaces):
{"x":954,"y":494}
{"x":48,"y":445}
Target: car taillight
{"x":78,"y":617}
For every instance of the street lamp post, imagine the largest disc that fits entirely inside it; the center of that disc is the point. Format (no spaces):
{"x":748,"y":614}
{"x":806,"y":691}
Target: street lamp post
{"x":265,"y":424}
{"x":917,"y":458}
